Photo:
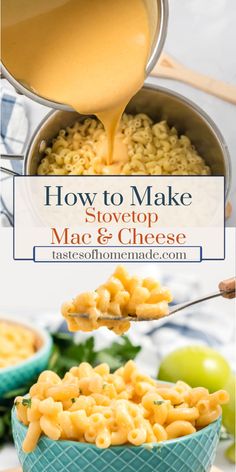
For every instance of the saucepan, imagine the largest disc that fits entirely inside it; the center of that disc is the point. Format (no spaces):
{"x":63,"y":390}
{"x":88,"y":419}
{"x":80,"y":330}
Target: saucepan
{"x":160,"y":104}
{"x":158,"y":12}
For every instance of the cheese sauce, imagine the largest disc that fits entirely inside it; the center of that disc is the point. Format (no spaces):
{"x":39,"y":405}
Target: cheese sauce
{"x":89,"y":54}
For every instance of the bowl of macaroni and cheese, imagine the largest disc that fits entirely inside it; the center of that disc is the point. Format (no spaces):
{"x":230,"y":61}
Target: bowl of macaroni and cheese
{"x":161,"y":133}
{"x":96,"y":420}
{"x":24,"y":353}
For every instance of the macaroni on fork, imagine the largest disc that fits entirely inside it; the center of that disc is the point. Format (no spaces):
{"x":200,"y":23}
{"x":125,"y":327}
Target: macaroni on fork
{"x":120,"y":296}
{"x":127,"y":407}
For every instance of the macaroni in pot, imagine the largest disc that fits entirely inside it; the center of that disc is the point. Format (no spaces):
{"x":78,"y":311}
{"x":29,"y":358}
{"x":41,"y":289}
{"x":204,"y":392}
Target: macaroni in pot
{"x":143,"y":147}
{"x":127,"y":407}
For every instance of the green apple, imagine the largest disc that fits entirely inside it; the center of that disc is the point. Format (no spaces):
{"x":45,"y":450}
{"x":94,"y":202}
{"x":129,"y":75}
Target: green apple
{"x":230,"y":453}
{"x":197,"y":366}
{"x":229,"y":409}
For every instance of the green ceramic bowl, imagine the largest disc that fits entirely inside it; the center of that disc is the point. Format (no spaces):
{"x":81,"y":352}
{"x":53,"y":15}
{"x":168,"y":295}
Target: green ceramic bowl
{"x":14,"y":377}
{"x":193,"y":453}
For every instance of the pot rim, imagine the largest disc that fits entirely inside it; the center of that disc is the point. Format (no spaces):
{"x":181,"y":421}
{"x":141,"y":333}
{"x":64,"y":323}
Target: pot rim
{"x":207,"y":119}
{"x":159,"y":40}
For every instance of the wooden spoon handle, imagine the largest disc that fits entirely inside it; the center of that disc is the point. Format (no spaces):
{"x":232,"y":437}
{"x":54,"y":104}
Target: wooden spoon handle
{"x":171,"y":69}
{"x":228,"y":210}
{"x":227,"y":286}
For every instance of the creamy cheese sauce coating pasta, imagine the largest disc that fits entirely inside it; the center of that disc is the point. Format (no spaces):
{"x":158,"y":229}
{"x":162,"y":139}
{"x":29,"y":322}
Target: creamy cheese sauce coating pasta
{"x":121,"y":295}
{"x":127,"y":407}
{"x":17,"y":343}
{"x":142,"y":147}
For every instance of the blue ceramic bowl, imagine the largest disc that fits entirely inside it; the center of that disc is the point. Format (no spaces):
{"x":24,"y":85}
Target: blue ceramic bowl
{"x":14,"y":377}
{"x":193,"y":453}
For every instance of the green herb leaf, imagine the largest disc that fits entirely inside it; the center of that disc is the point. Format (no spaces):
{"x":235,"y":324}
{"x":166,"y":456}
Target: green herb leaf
{"x":54,"y":358}
{"x":159,"y":402}
{"x":62,"y":339}
{"x":118,"y":353}
{"x":27,"y":402}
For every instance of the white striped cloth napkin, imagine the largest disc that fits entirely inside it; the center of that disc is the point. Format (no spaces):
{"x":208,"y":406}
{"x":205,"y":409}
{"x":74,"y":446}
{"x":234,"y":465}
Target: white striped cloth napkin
{"x":14,"y":132}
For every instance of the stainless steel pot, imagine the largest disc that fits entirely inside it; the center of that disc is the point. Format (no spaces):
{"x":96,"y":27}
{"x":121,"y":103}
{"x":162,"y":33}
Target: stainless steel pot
{"x":159,"y":103}
{"x":158,"y":16}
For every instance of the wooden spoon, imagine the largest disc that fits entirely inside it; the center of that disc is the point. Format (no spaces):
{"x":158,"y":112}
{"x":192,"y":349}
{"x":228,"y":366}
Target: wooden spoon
{"x":169,"y":68}
{"x":228,"y":210}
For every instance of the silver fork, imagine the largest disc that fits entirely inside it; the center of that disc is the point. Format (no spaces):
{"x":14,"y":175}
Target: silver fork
{"x":226,"y":290}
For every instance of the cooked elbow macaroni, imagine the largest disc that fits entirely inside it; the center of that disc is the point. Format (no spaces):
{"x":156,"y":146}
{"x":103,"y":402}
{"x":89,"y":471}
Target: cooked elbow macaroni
{"x":127,"y":407}
{"x":17,"y":343}
{"x":152,"y":149}
{"x":120,"y":296}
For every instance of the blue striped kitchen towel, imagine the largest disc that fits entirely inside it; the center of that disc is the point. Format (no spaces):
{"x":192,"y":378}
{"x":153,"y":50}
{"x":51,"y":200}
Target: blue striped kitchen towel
{"x":14,"y":132}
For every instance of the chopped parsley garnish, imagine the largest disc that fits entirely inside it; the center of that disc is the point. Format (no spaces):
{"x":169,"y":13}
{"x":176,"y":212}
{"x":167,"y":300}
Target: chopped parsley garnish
{"x":27,"y":402}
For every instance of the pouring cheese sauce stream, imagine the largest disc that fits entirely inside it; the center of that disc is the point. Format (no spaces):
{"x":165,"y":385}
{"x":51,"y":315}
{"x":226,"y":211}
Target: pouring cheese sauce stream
{"x":89,"y":54}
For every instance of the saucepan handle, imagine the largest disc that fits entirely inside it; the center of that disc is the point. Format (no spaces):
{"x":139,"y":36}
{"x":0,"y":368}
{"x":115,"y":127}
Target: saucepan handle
{"x":12,"y":157}
{"x":9,"y":171}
